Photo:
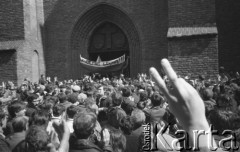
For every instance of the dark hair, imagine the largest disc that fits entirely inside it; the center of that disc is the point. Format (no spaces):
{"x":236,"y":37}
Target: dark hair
{"x":49,"y":88}
{"x":52,"y":99}
{"x":73,"y":98}
{"x":72,"y":111}
{"x":84,"y":124}
{"x":62,"y":97}
{"x":115,"y":115}
{"x":143,"y":96}
{"x":117,"y":99}
{"x":40,"y":118}
{"x":118,"y":140}
{"x":126,"y":125}
{"x":19,"y":124}
{"x":15,"y":108}
{"x":128,"y":106}
{"x":156,"y":99}
{"x":106,"y":103}
{"x":37,"y":139}
{"x":222,"y":119}
{"x":126,"y":92}
{"x":32,"y":97}
{"x":46,"y":106}
{"x":58,"y":109}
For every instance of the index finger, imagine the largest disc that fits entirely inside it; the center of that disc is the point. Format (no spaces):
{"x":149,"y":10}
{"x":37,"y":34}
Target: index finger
{"x":171,"y":74}
{"x":154,"y":73}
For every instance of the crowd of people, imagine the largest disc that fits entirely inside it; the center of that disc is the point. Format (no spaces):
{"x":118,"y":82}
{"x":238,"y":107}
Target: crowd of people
{"x":100,"y":114}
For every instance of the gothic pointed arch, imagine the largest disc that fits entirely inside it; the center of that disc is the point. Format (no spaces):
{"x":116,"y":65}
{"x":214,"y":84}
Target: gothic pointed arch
{"x":84,"y":28}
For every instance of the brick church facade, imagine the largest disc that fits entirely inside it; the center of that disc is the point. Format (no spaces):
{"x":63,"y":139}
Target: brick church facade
{"x":47,"y":36}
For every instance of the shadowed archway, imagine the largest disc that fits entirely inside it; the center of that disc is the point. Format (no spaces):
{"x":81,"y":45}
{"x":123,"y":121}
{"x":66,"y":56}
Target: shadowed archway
{"x":84,"y":28}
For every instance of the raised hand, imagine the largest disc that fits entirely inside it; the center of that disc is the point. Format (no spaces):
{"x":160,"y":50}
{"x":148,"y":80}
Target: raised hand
{"x":64,"y":134}
{"x":184,"y":101}
{"x":106,"y":137}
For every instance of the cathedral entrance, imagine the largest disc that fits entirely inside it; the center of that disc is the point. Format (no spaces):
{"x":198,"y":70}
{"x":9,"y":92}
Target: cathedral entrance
{"x":108,"y":42}
{"x":108,"y":32}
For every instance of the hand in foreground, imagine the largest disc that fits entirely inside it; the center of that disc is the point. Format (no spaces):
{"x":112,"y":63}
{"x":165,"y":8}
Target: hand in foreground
{"x":106,"y":137}
{"x":184,"y":101}
{"x":64,"y":134}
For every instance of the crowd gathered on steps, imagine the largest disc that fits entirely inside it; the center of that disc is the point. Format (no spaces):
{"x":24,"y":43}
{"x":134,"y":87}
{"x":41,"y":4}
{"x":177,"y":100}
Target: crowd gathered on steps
{"x":100,"y":114}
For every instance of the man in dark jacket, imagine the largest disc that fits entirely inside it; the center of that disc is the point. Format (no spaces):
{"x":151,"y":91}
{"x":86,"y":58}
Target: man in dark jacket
{"x":83,"y":125}
{"x":156,"y":113}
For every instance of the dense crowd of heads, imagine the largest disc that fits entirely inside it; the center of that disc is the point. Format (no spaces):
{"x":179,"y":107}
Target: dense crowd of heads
{"x":32,"y":114}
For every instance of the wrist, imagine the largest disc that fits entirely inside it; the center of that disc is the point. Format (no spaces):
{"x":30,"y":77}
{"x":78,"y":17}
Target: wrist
{"x":198,"y":125}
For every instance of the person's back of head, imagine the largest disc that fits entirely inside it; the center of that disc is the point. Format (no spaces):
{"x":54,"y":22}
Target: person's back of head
{"x":118,"y":140}
{"x":58,"y":110}
{"x":84,"y":124}
{"x":138,"y":118}
{"x":40,"y":118}
{"x":222,"y":119}
{"x":81,"y":98}
{"x":207,"y":94}
{"x":19,"y":124}
{"x":126,"y":125}
{"x":126,"y":92}
{"x":72,"y":111}
{"x":47,"y":107}
{"x":117,"y":99}
{"x":106,"y":103}
{"x":128,"y":106}
{"x":115,"y":115}
{"x":37,"y":139}
{"x":62,"y":97}
{"x":73,"y":98}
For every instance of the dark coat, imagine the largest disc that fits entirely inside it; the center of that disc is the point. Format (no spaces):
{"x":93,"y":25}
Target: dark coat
{"x":4,"y":145}
{"x":155,"y":114}
{"x":83,"y":145}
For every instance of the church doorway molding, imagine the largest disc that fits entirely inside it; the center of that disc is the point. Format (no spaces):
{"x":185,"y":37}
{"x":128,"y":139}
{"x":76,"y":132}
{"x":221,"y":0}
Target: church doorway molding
{"x":85,"y":26}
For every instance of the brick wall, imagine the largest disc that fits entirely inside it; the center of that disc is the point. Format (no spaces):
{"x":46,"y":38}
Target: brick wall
{"x":8,"y":65}
{"x":228,"y":23}
{"x":185,"y":13}
{"x":149,"y":18}
{"x":11,"y":20}
{"x":194,"y":55}
{"x":192,"y":33}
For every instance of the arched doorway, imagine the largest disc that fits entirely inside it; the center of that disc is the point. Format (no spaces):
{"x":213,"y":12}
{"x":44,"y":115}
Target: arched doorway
{"x":86,"y":25}
{"x":109,"y":42}
{"x":35,"y":66}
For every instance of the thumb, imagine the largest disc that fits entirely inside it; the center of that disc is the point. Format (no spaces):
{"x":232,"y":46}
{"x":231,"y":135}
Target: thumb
{"x":51,"y":147}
